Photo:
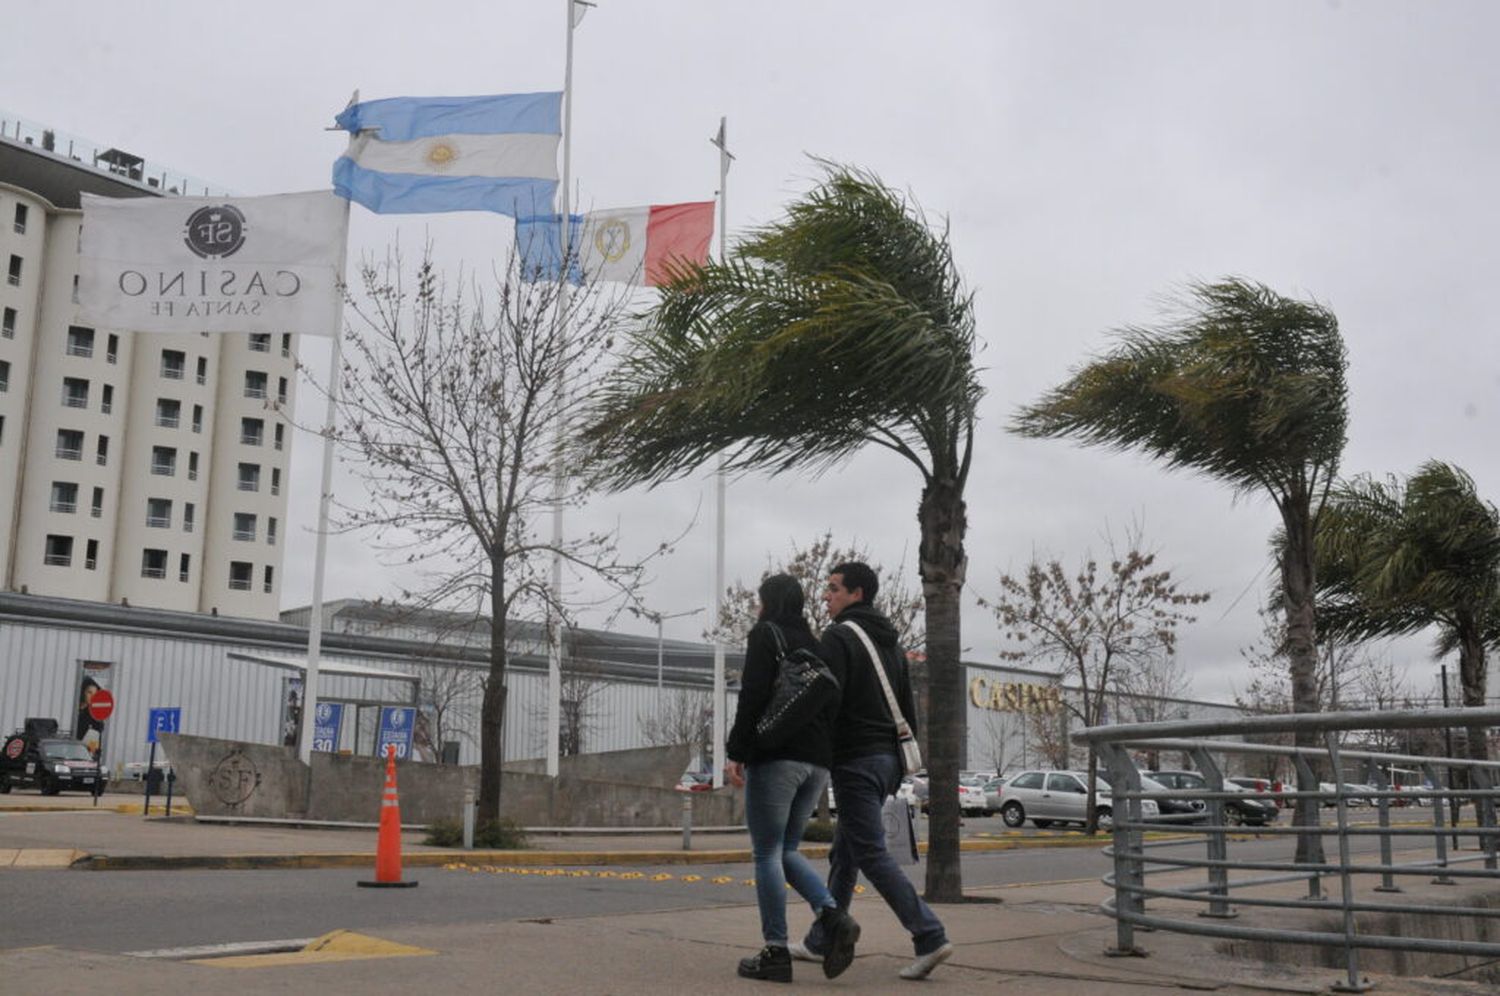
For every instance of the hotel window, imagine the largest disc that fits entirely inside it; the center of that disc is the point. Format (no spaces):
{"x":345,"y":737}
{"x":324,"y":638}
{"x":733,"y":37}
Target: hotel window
{"x":202,"y":370}
{"x":280,"y":429}
{"x":252,"y":431}
{"x":75,"y":393}
{"x":96,"y":507}
{"x":64,"y":497}
{"x":80,"y":341}
{"x":112,"y":349}
{"x":286,"y":344}
{"x":193,"y":465}
{"x":91,"y":555}
{"x":164,"y":460}
{"x":8,"y":323}
{"x":173,"y":362}
{"x":275,"y":480}
{"x":4,"y":376}
{"x":260,"y":342}
{"x":249,"y":477}
{"x":101,"y":451}
{"x":153,"y":563}
{"x":168,"y":412}
{"x":270,"y":575}
{"x":271,"y":530}
{"x":240,"y":575}
{"x":187,"y":516}
{"x":107,"y":398}
{"x":197,"y":418}
{"x":58,"y":552}
{"x":159,"y":513}
{"x":244,"y":526}
{"x":69,"y":444}
{"x":20,"y":223}
{"x":184,"y":567}
{"x":14,"y":278}
{"x":255,"y":384}
{"x":281,"y":390}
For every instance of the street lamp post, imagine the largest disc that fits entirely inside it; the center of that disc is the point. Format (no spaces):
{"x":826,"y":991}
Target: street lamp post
{"x":661,"y":653}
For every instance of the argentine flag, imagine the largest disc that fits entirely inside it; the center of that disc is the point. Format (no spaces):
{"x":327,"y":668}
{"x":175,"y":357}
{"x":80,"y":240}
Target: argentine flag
{"x":410,"y":155}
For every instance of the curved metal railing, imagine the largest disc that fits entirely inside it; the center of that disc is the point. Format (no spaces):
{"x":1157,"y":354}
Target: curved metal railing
{"x":1260,"y":882}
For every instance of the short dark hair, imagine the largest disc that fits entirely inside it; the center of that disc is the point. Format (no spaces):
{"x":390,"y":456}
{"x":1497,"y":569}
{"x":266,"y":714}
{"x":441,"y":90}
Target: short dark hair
{"x":858,"y":574}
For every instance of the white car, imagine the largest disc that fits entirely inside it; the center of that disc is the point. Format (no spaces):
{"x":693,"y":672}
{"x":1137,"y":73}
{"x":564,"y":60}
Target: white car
{"x":971,"y":800}
{"x":1048,"y":797}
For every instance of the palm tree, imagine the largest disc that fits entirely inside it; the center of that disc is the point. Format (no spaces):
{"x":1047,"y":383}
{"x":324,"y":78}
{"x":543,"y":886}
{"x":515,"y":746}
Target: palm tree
{"x":1248,"y":387}
{"x":1398,"y":558}
{"x":844,"y":323}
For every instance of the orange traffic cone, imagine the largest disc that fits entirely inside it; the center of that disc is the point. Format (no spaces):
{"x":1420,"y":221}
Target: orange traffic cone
{"x":388,"y":847}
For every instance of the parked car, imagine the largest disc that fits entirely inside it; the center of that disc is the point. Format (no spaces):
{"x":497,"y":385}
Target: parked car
{"x":992,"y":794}
{"x":971,"y":797}
{"x":1243,"y":809}
{"x":37,"y":757}
{"x":1261,"y":786}
{"x":1177,"y":812}
{"x":1054,"y":797}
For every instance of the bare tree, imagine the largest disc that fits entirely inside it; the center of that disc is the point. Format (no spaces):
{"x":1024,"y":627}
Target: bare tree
{"x":682,"y":717}
{"x":456,"y":407}
{"x":1049,"y":738}
{"x":996,"y":731}
{"x":1149,"y":694}
{"x":1096,"y":626}
{"x":583,"y":688}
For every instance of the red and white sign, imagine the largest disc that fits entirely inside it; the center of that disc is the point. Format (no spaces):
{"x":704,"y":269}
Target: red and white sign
{"x":101,"y":705}
{"x":14,"y":748}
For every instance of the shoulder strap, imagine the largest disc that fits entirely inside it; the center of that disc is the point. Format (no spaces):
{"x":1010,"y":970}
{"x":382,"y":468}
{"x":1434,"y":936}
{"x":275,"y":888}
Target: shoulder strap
{"x":885,"y":682}
{"x":780,"y":640}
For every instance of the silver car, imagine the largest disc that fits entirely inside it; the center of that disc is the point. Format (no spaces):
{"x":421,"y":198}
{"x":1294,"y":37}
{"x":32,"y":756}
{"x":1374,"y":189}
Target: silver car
{"x":1048,"y":797}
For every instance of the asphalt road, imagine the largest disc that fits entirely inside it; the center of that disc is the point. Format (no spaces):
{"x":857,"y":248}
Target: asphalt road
{"x":134,"y":911}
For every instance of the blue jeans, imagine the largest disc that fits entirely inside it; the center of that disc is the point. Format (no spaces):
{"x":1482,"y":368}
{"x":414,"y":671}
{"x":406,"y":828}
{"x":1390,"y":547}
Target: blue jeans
{"x":779,"y":797}
{"x":860,"y":787}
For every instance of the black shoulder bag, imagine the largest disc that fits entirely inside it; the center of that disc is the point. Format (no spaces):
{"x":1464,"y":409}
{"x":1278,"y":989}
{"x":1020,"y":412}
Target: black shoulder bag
{"x":803,"y":686}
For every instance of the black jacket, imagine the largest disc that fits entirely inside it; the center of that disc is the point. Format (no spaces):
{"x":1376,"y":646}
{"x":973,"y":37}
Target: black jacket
{"x":864,"y":725}
{"x":813,"y":743}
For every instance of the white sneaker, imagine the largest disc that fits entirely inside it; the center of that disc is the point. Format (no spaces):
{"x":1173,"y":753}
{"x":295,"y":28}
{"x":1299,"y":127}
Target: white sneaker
{"x":923,"y":966}
{"x":801,"y":953}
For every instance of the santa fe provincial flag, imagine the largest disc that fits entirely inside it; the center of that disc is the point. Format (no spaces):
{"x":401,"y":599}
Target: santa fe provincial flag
{"x":213,"y":264}
{"x":636,"y":245}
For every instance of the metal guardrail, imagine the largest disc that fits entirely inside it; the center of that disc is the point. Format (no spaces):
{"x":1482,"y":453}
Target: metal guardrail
{"x":1206,"y":740}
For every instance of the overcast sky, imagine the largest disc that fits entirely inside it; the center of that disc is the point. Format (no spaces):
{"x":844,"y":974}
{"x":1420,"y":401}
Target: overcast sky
{"x":1089,"y":157}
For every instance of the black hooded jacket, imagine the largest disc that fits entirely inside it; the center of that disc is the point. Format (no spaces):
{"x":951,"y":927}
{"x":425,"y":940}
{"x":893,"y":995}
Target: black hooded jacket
{"x":864,"y":725}
{"x":813,"y":743}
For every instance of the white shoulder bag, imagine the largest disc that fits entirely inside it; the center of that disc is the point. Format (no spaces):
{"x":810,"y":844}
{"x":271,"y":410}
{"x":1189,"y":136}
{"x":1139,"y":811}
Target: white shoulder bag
{"x":911,"y":754}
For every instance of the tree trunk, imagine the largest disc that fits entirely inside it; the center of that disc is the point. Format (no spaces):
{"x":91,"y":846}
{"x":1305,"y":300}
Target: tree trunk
{"x":1471,"y":675}
{"x":492,"y":712}
{"x":1297,"y":586}
{"x":943,"y":566}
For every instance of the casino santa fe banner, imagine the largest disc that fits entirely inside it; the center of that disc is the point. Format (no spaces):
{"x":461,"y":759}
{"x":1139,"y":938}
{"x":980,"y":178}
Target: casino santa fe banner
{"x":213,"y":264}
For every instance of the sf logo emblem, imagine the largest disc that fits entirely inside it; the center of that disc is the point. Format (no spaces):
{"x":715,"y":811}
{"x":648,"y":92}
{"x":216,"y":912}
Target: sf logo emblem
{"x":215,"y":232}
{"x":612,"y":239}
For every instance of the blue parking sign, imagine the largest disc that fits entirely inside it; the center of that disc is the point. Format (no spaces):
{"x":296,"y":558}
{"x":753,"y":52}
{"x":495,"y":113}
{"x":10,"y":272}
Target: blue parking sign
{"x":162,"y":721}
{"x":326,"y":720}
{"x":396,"y":728}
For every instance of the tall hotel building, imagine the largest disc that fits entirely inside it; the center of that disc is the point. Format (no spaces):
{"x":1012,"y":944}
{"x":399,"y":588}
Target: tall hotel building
{"x":135,"y":468}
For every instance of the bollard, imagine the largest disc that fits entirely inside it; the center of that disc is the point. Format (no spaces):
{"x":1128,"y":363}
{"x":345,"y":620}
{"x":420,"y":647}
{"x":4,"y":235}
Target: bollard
{"x":171,"y":780}
{"x":687,"y":821}
{"x":468,"y":819}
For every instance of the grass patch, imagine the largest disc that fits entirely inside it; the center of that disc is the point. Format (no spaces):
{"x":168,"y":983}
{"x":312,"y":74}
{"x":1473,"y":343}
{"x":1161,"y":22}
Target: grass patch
{"x":819,"y":831}
{"x":494,"y":835}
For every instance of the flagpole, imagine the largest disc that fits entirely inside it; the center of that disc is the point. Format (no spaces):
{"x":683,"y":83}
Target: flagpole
{"x":325,"y":500}
{"x":555,"y":648}
{"x":719,"y":704}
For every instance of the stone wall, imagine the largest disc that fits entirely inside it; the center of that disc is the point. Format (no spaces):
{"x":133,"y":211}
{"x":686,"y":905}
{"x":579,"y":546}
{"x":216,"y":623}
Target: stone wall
{"x":659,"y":766}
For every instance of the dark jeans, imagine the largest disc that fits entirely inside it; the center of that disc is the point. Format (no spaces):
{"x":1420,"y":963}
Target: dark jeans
{"x":860,"y":788}
{"x":779,"y":797}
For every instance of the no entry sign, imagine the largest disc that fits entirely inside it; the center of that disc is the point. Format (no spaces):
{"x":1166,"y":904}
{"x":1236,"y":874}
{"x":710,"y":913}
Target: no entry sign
{"x":101,"y":705}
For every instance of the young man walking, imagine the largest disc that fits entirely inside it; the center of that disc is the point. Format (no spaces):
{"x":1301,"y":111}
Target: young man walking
{"x":867,"y":766}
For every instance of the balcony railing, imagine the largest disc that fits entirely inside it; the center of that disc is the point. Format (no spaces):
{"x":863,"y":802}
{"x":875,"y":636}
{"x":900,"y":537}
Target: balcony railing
{"x":66,"y":507}
{"x":159,"y":521}
{"x":80,"y":349}
{"x":239,"y":584}
{"x":171,"y":373}
{"x":69,"y":453}
{"x":159,"y":573}
{"x":167,"y":421}
{"x":57,"y":559}
{"x":164,"y":469}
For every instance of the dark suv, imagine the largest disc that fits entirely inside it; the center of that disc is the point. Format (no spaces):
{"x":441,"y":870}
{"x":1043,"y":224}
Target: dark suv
{"x":1243,"y":809}
{"x":37,"y":757}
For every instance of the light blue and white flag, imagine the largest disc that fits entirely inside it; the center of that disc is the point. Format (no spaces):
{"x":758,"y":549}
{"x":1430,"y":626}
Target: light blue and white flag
{"x":412,"y":155}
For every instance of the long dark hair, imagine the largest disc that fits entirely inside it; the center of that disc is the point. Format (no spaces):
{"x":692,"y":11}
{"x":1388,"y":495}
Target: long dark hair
{"x":781,"y":602}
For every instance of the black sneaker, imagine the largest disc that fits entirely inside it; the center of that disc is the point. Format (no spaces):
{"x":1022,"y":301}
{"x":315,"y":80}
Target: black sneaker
{"x":840,"y":933}
{"x":773,"y":964}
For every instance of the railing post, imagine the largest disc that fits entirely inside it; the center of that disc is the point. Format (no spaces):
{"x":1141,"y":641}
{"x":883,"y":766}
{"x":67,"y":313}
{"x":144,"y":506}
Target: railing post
{"x":1440,"y":835}
{"x":1352,"y":983}
{"x":1305,"y":776}
{"x":1378,"y":779}
{"x":1129,"y":873}
{"x":1218,"y":847}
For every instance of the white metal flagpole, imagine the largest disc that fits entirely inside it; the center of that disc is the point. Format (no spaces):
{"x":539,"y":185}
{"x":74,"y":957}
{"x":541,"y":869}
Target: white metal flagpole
{"x":720,"y":705}
{"x":559,"y":483}
{"x":325,"y":499}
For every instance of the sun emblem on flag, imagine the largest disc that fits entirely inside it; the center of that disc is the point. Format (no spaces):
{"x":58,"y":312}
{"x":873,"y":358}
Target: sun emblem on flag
{"x":612,"y":239}
{"x":441,"y":153}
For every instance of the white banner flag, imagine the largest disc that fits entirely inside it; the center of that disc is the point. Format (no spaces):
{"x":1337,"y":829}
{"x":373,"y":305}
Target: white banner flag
{"x":213,"y":264}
